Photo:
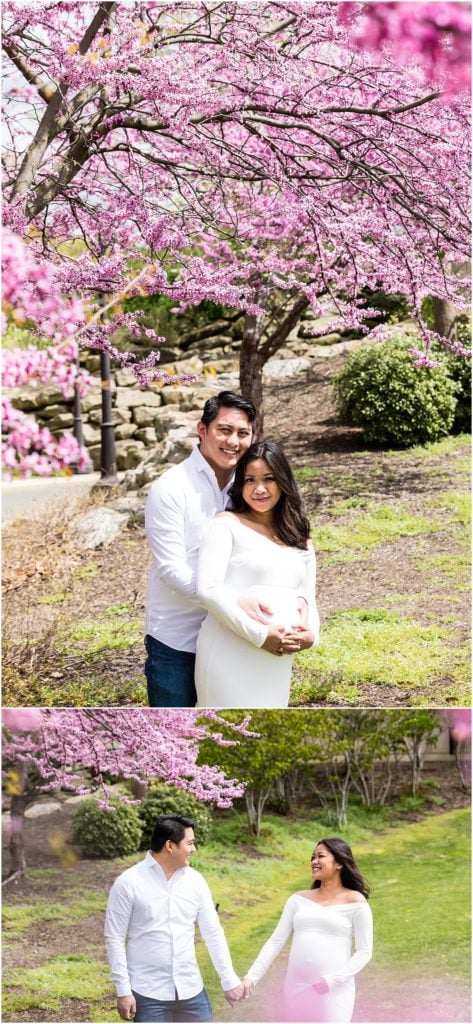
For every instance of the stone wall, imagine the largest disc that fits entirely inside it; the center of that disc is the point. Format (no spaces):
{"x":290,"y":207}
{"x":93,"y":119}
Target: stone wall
{"x":155,"y":426}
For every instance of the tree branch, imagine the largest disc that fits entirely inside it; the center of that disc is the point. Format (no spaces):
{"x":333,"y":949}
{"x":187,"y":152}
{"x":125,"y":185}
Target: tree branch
{"x":47,"y":125}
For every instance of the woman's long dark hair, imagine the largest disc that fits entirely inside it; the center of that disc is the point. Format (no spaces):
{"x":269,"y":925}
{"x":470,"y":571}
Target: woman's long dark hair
{"x":350,"y":874}
{"x":291,"y":525}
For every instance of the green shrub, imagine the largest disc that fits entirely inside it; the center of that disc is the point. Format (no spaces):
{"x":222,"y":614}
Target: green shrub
{"x":106,"y":833}
{"x":395,"y":402}
{"x":392,"y":306}
{"x":163,"y":799}
{"x":459,"y":369}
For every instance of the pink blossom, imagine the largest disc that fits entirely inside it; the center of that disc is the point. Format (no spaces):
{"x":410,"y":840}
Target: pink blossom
{"x":31,"y":450}
{"x":437,"y":35}
{"x":132,"y":743}
{"x":232,"y":159}
{"x":21,"y":719}
{"x":459,"y":722}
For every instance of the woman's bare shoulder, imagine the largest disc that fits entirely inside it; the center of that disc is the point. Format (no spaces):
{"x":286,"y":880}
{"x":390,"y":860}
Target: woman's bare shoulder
{"x":353,"y":896}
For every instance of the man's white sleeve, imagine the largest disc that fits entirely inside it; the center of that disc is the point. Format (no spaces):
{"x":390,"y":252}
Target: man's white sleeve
{"x":117,"y":919}
{"x":214,"y":938}
{"x":165,"y":530}
{"x":215,"y":553}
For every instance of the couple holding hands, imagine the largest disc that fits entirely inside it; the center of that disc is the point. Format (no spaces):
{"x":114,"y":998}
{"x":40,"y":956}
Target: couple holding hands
{"x":154,"y":906}
{"x":231,"y":593}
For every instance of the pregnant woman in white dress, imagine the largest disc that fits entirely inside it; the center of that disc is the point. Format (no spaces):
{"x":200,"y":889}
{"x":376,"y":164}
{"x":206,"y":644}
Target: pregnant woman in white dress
{"x":325,"y":922}
{"x":258,"y":556}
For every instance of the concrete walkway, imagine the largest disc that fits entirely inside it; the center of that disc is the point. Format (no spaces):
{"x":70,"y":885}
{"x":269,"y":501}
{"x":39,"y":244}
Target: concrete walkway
{"x":23,"y":498}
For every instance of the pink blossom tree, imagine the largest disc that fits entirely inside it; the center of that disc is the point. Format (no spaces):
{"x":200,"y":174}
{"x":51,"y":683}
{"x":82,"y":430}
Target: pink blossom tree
{"x":254,"y":147}
{"x":437,"y":35}
{"x":80,"y":750}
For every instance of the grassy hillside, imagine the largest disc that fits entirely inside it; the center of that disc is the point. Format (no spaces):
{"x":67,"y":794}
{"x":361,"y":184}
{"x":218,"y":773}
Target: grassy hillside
{"x":419,"y":873}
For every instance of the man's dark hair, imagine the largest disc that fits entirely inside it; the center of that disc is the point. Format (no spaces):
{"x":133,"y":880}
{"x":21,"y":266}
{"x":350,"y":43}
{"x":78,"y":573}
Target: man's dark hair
{"x":227,"y":400}
{"x":169,"y":826}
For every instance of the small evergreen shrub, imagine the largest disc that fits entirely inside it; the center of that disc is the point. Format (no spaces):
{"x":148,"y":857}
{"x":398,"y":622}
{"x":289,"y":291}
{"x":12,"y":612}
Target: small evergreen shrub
{"x":106,"y":833}
{"x":393,"y":401}
{"x":459,"y":369}
{"x":162,"y":799}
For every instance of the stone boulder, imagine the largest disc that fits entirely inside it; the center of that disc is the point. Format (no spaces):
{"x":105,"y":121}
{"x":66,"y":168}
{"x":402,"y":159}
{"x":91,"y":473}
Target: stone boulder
{"x":229,"y":381}
{"x":179,"y":443}
{"x":169,"y":417}
{"x":92,"y":400}
{"x":144,"y":416}
{"x":280,"y":369}
{"x":118,"y":415}
{"x":123,"y":431}
{"x":125,"y":378}
{"x":50,"y":411}
{"x":30,"y":399}
{"x":129,"y":453}
{"x":193,"y":365}
{"x":94,"y":451}
{"x":147,"y":435}
{"x":129,"y":399}
{"x":187,"y":397}
{"x":40,"y":809}
{"x":99,"y":526}
{"x":91,"y":434}
{"x":148,"y":470}
{"x":62,"y":421}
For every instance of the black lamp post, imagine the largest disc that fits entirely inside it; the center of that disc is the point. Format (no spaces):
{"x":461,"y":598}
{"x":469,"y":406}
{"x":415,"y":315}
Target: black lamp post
{"x":77,"y":421}
{"x":108,"y":465}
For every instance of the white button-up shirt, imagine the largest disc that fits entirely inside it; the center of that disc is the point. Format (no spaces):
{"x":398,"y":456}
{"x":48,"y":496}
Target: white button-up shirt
{"x":178,"y":508}
{"x":150,"y":931}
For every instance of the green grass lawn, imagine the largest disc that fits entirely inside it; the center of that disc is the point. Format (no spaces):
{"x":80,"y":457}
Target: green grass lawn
{"x":393,"y":545}
{"x":404,"y":633}
{"x":419,"y":873}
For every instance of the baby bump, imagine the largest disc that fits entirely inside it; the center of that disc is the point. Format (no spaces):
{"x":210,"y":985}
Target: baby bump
{"x":281,"y":600}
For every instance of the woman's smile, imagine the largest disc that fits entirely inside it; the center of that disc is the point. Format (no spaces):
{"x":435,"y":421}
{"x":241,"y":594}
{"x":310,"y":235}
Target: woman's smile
{"x":260,"y":489}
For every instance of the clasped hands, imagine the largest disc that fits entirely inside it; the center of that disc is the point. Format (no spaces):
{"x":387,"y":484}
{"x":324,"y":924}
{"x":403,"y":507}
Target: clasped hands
{"x":241,"y":992}
{"x":287,"y":641}
{"x":279,"y":640}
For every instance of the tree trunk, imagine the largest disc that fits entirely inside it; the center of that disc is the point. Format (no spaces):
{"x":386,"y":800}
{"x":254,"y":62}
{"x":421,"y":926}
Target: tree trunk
{"x":463,"y":764}
{"x":416,"y":748}
{"x":250,"y":809}
{"x":251,"y":369}
{"x":255,"y":799}
{"x":17,"y":839}
{"x":445,"y":315}
{"x":255,"y":352}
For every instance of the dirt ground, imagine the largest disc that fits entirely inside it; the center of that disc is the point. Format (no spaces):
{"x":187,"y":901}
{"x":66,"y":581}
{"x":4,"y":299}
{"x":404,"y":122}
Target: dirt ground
{"x":300,"y":414}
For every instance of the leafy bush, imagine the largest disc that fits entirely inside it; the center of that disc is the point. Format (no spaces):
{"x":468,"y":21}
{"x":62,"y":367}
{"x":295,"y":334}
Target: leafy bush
{"x":395,"y":402}
{"x":106,"y":833}
{"x":392,"y":306}
{"x":162,"y":799}
{"x":459,"y":370}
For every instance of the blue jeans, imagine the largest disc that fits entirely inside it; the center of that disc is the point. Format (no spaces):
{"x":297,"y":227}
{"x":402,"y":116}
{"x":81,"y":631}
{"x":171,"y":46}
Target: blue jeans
{"x":170,"y":676}
{"x":195,"y":1009}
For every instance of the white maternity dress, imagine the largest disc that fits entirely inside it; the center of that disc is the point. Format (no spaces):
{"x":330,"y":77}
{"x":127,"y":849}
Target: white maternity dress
{"x":321,"y":948}
{"x":232,"y":670}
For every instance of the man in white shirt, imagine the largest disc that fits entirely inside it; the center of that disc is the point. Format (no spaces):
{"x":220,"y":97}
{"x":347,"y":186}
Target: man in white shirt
{"x":179,"y":505}
{"x":149,"y":932}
